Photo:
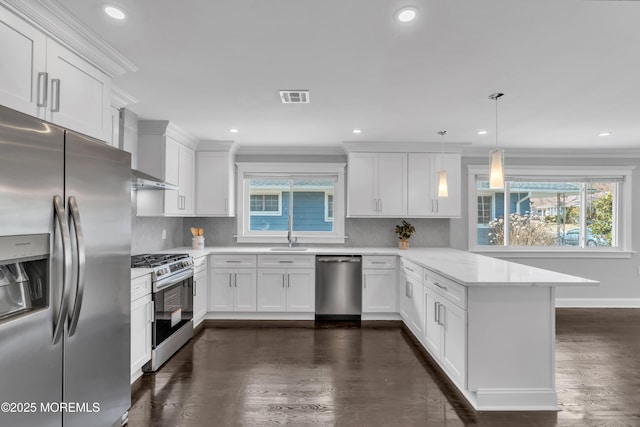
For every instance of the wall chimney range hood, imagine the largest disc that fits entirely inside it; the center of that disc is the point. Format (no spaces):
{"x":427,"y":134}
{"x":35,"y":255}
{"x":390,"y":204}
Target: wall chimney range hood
{"x":143,"y":181}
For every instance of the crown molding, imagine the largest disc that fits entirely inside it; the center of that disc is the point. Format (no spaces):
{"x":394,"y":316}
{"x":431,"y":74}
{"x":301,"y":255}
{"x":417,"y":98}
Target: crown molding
{"x":212,"y":145}
{"x":59,"y":24}
{"x":165,"y":127}
{"x":120,"y":98}
{"x":558,"y":153}
{"x":287,"y":150}
{"x":404,"y":147}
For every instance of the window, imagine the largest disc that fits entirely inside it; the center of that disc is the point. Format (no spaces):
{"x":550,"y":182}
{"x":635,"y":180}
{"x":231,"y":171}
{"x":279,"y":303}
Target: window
{"x":328,"y":207}
{"x":302,"y":199}
{"x":266,"y":204}
{"x":550,"y":209}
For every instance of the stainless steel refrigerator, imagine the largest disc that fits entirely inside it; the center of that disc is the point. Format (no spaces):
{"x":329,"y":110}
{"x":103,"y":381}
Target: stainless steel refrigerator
{"x":65,"y":247}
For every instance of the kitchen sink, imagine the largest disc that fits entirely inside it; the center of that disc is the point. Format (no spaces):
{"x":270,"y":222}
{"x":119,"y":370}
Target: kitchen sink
{"x":288,"y":249}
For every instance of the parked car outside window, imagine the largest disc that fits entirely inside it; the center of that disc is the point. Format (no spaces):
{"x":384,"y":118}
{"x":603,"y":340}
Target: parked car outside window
{"x":572,"y":238}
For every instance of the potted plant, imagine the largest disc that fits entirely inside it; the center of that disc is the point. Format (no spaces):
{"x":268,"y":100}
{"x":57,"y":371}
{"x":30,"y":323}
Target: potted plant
{"x":404,"y":232}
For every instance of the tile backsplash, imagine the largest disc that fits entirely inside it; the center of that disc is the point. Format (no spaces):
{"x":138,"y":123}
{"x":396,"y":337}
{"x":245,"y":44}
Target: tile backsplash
{"x":146,"y":233}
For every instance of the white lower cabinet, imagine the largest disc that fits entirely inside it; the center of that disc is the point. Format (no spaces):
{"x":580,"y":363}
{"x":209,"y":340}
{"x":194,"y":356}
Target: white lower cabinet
{"x":445,"y":334}
{"x":286,"y":283}
{"x":232,"y":290}
{"x":141,"y":323}
{"x":291,"y":290}
{"x":411,"y":305}
{"x":199,"y":290}
{"x":379,"y":284}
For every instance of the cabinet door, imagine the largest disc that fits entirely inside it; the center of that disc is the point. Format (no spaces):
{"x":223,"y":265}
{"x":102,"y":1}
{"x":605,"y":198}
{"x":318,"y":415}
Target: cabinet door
{"x":379,"y":291}
{"x":199,"y":297}
{"x":80,"y":94}
{"x":419,"y":186}
{"x":301,"y":290}
{"x":272,"y":293}
{"x":24,"y":51}
{"x":362,"y":184}
{"x":392,"y":184}
{"x":245,"y":289}
{"x":187,"y":170}
{"x":454,"y":349}
{"x":432,"y":327}
{"x":212,"y":184}
{"x":172,"y":176}
{"x":221,"y":290}
{"x":140,"y":332}
{"x":447,"y":206}
{"x":417,"y":310}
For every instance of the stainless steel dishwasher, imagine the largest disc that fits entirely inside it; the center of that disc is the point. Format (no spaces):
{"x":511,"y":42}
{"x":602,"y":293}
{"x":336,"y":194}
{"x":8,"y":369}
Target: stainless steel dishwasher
{"x":338,"y":287}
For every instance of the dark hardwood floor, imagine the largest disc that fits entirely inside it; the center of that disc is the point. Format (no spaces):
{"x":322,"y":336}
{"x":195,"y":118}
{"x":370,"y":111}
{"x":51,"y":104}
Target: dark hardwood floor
{"x":261,"y":374}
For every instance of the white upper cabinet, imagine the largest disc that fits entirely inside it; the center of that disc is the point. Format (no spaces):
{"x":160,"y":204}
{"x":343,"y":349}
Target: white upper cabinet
{"x":23,"y":74}
{"x":166,"y":152}
{"x":45,"y":79}
{"x":215,"y":184}
{"x":423,"y":200}
{"x":377,"y":184}
{"x":79,"y":93}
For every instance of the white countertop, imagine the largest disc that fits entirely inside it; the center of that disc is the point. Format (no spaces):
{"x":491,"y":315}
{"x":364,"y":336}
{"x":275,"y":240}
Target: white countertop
{"x":466,"y":268}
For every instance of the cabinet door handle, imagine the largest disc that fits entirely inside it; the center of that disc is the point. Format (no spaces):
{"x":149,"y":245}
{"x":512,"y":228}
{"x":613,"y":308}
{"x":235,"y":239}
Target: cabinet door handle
{"x":235,"y":280}
{"x":43,"y":89}
{"x":436,"y":313}
{"x":230,"y":274}
{"x":283,"y":280}
{"x":288,"y":280}
{"x":375,"y":205}
{"x":55,"y":95}
{"x":195,"y":287}
{"x":442,"y":315}
{"x":440,"y":286}
{"x":437,"y":205}
{"x":152,"y":311}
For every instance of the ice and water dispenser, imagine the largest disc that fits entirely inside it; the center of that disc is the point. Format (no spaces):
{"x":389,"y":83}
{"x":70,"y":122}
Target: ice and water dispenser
{"x":23,"y":274}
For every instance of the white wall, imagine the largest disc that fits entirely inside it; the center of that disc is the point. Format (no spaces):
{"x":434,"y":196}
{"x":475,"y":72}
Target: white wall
{"x":619,"y":278}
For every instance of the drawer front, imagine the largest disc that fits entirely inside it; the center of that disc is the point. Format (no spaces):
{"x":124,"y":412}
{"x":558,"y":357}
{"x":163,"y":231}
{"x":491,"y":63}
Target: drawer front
{"x":451,"y":290}
{"x":378,"y":261}
{"x":199,"y":265}
{"x":232,"y":261}
{"x":286,"y":261}
{"x":140,"y":287}
{"x":411,"y":269}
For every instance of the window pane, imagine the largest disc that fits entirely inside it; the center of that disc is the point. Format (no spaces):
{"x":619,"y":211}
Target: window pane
{"x":269,"y":204}
{"x":309,"y":204}
{"x":599,"y":214}
{"x":490,"y":213}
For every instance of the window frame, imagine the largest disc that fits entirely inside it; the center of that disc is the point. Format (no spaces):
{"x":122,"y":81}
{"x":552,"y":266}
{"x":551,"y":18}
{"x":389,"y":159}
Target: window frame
{"x":327,"y":217}
{"x":287,"y":170}
{"x":267,"y":213}
{"x":622,"y":211}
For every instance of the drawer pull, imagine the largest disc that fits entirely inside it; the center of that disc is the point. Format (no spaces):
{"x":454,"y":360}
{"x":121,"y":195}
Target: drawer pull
{"x":233,"y":261}
{"x":378,"y":262}
{"x":287,"y":261}
{"x":408,"y":268}
{"x":440,"y":286}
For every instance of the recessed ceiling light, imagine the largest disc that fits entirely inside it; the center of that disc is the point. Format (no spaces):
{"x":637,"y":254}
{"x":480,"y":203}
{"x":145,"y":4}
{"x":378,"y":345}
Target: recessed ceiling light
{"x":483,"y":132}
{"x":233,"y":130}
{"x":605,"y":133}
{"x":357,"y":131}
{"x":407,"y":14}
{"x":114,"y":12}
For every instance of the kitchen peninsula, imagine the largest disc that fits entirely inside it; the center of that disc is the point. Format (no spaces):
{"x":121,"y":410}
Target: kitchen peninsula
{"x":488,"y":323}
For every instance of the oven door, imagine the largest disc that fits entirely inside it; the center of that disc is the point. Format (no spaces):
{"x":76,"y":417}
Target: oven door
{"x":173,"y":306}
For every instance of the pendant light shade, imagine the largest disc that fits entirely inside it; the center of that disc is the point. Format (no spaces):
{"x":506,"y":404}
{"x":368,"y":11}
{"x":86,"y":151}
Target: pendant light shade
{"x":496,"y":172}
{"x":443,"y":187}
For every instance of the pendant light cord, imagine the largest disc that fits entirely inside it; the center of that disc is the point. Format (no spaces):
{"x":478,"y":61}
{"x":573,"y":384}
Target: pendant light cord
{"x":495,"y":97}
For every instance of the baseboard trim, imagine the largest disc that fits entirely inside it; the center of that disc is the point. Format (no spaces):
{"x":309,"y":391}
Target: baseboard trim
{"x":515,"y":400}
{"x":597,"y":302}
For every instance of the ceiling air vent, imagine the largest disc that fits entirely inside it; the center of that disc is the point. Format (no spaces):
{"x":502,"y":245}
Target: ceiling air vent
{"x":294,"y":96}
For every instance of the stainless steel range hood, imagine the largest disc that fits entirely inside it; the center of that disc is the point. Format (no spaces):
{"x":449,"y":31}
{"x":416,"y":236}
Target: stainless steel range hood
{"x":143,"y":181}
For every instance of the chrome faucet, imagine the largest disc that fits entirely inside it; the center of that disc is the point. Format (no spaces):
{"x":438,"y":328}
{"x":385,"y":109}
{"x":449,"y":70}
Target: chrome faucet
{"x":290,"y":239}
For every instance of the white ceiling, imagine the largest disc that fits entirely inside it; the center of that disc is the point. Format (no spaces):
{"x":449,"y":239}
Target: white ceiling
{"x":569,"y":69}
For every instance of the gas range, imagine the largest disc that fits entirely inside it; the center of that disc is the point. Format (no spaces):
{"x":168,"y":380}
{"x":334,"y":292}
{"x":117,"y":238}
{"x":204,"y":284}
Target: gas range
{"x":165,"y":267}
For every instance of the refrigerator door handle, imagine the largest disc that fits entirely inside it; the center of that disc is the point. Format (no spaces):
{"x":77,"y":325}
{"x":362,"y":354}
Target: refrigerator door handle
{"x":82,"y":262}
{"x":66,"y":261}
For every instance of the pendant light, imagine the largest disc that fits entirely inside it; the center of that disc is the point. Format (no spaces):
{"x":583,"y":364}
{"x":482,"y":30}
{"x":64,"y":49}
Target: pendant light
{"x":443,"y":187}
{"x":496,"y":173}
